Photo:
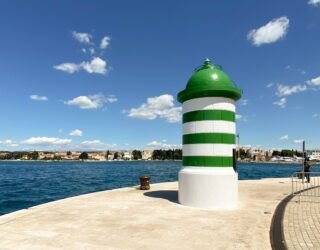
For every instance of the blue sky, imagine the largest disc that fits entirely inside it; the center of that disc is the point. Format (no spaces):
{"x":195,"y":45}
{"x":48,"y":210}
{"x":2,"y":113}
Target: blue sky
{"x":78,"y":74}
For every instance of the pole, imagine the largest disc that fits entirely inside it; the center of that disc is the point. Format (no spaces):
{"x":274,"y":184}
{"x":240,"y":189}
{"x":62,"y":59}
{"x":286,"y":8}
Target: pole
{"x":303,"y":154}
{"x":238,"y":136}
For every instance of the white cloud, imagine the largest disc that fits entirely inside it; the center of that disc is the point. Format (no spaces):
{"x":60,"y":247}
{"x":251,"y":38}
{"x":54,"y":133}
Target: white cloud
{"x":269,"y":85}
{"x":97,"y":65}
{"x":243,"y":102}
{"x":38,"y":98}
{"x":315,"y":82}
{"x":94,"y":145}
{"x":76,"y":132}
{"x":93,"y":142}
{"x":269,"y":33}
{"x":315,"y":115}
{"x":68,"y":67}
{"x":241,"y":118}
{"x":111,"y":98}
{"x":9,"y":143}
{"x":314,"y":2}
{"x":105,"y":42}
{"x":82,"y":37}
{"x":159,"y":106}
{"x":92,"y":51}
{"x":91,"y":102}
{"x":162,"y":145}
{"x":46,"y":141}
{"x":298,"y":141}
{"x":281,"y":103}
{"x":284,"y":137}
{"x":285,"y":90}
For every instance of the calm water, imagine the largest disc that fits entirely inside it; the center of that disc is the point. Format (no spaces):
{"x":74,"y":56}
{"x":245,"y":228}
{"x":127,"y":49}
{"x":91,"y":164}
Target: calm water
{"x":26,"y":184}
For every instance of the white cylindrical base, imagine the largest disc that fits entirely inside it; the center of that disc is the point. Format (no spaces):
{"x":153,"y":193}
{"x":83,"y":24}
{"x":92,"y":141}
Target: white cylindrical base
{"x":213,"y":188}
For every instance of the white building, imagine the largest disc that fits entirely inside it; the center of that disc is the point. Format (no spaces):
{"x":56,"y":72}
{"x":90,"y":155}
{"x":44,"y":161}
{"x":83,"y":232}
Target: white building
{"x":315,"y":156}
{"x":127,"y":155}
{"x":147,"y":154}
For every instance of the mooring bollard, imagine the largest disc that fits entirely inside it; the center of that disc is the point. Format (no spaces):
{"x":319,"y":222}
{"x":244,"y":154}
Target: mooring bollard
{"x":144,"y":182}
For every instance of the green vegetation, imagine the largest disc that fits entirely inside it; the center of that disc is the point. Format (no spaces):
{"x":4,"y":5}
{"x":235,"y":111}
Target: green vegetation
{"x":171,"y":154}
{"x":116,"y":156}
{"x":136,"y":154}
{"x":244,"y":154}
{"x":107,"y":155}
{"x":19,"y":155}
{"x":84,"y":156}
{"x":287,"y":153}
{"x":33,"y":156}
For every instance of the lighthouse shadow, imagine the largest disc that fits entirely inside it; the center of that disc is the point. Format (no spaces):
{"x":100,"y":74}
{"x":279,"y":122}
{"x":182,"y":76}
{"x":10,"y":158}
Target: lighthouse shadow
{"x":169,"y":195}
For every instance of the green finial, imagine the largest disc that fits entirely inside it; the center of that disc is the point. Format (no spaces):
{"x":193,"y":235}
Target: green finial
{"x":207,"y":63}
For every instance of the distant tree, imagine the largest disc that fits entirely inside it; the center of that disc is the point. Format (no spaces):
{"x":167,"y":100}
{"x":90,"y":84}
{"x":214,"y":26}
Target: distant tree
{"x":116,"y":156}
{"x":177,"y":154}
{"x":287,"y":153}
{"x":107,"y":155}
{"x":34,"y":155}
{"x":136,"y":154}
{"x":276,"y":153}
{"x":84,"y":156}
{"x":68,"y":153}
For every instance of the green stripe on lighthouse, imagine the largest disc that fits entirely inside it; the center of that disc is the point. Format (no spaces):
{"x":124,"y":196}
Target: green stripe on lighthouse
{"x":202,"y":115}
{"x":207,"y":161}
{"x":209,"y":138}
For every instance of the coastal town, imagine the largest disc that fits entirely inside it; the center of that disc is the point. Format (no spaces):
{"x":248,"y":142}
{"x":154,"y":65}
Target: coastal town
{"x":245,"y":154}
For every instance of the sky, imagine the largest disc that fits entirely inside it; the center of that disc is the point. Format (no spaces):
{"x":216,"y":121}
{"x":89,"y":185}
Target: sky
{"x":97,"y":75}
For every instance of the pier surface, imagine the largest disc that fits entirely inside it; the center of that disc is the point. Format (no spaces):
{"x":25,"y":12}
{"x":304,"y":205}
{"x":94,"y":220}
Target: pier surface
{"x":133,"y":219}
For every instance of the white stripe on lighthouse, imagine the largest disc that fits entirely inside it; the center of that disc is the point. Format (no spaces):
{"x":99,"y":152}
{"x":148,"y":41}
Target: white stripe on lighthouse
{"x":209,"y":127}
{"x":205,"y":103}
{"x":208,"y":149}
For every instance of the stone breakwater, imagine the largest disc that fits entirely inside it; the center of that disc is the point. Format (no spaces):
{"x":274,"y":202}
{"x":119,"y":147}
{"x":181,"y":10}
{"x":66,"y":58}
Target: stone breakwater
{"x":129,"y":218}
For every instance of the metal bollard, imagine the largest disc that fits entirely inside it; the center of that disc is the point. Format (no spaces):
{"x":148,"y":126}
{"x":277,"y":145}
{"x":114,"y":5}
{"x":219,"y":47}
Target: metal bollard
{"x":144,"y":182}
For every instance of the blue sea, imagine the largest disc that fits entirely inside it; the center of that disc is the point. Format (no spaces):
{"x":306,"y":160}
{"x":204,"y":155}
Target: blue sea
{"x":26,"y":184}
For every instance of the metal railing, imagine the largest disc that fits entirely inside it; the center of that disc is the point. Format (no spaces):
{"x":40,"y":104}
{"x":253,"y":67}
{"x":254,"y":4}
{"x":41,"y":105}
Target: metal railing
{"x":306,"y":184}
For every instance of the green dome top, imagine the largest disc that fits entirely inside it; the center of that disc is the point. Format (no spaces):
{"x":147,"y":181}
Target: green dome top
{"x":209,"y":81}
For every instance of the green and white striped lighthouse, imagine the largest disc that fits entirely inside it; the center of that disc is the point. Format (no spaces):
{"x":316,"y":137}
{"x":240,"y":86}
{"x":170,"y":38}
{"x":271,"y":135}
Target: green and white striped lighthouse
{"x":208,"y":179}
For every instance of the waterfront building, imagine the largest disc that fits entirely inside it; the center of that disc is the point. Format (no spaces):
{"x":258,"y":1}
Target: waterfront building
{"x":3,"y":154}
{"x":97,"y":156}
{"x":315,"y":156}
{"x":46,"y":155}
{"x":127,"y":155}
{"x":147,"y":155}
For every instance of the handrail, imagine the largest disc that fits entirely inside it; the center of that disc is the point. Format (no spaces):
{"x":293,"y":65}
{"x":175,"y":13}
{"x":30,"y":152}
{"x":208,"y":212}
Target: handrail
{"x":305,"y":184}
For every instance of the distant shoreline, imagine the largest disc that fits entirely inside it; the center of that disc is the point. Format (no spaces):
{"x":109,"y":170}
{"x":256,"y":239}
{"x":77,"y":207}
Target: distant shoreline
{"x":87,"y":160}
{"x":254,"y":162}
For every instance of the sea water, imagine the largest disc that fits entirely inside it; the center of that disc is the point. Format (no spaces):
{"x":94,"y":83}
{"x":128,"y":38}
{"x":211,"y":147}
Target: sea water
{"x":26,"y":184}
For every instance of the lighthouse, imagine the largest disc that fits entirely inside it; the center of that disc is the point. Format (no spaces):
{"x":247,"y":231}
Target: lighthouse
{"x":208,"y":178}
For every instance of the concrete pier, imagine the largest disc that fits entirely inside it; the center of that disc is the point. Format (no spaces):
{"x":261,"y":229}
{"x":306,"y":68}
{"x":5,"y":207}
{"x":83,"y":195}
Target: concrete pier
{"x":133,"y":219}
